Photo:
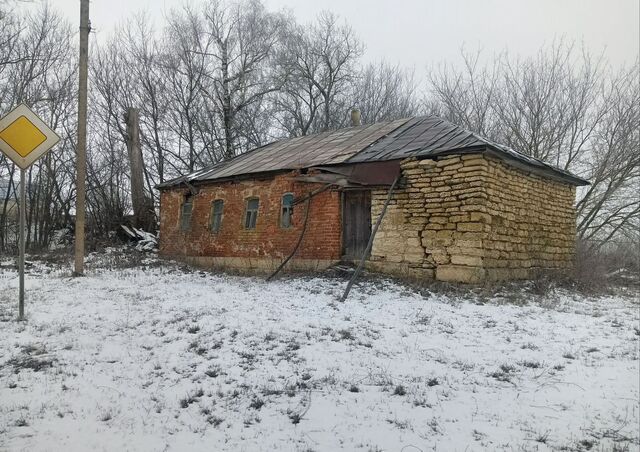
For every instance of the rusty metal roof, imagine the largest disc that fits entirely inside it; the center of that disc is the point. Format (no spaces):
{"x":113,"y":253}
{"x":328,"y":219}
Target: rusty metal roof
{"x":327,"y":148}
{"x":420,"y":137}
{"x":431,"y":136}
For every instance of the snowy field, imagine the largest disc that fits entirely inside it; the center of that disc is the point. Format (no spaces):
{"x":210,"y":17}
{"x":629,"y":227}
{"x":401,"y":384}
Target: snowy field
{"x":157,"y":357}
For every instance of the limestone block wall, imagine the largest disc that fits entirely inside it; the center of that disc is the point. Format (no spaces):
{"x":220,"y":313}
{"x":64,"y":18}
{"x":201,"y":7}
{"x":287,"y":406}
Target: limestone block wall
{"x":472,"y":218}
{"x":533,"y":224}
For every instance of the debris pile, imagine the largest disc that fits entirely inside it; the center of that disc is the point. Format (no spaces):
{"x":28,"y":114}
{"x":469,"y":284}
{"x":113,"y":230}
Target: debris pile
{"x":60,"y":238}
{"x":144,"y":241}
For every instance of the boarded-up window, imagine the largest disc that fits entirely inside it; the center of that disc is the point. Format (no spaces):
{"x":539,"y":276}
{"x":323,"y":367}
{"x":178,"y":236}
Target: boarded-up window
{"x":216,"y":215}
{"x":185,"y":213}
{"x":286,"y":211}
{"x":251,"y":215}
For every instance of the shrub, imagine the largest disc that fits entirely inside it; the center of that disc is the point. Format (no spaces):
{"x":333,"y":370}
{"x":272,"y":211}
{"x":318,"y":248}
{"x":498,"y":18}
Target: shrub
{"x":256,"y":403}
{"x":433,"y":382}
{"x":399,"y":390}
{"x":599,"y":266}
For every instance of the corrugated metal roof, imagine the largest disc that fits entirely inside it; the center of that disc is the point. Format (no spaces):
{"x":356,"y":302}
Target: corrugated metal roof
{"x":328,"y":148}
{"x":431,"y":136}
{"x":420,"y":137}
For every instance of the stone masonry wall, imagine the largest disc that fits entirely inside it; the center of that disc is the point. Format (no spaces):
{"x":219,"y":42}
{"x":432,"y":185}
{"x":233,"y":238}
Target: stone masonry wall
{"x":261,"y":248}
{"x":533,"y":224}
{"x":473,"y":218}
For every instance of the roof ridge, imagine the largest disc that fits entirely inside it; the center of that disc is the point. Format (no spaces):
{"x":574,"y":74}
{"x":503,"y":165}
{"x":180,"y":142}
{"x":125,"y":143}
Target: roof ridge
{"x":404,"y":123}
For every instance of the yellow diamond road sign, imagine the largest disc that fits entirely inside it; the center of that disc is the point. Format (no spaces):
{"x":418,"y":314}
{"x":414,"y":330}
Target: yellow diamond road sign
{"x":24,"y":137}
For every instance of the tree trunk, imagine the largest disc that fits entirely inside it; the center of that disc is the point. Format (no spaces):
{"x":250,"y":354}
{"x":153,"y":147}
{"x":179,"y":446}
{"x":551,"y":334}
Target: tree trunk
{"x":227,"y":108}
{"x":141,"y":212}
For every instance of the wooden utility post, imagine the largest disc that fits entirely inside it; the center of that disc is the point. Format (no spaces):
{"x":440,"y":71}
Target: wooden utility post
{"x":81,"y":148}
{"x":138,"y":200}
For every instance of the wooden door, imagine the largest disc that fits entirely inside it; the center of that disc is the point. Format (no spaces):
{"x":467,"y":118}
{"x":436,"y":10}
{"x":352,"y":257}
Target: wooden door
{"x":356,"y":223}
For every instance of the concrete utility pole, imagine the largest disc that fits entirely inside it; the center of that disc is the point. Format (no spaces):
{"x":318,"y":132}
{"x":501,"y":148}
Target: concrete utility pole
{"x":81,"y":149}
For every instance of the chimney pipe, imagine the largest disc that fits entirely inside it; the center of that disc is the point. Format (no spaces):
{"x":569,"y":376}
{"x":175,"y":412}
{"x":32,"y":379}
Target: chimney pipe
{"x":355,"y":117}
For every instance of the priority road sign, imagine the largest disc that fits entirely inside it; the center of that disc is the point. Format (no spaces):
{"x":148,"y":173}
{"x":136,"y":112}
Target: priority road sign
{"x":24,"y":138}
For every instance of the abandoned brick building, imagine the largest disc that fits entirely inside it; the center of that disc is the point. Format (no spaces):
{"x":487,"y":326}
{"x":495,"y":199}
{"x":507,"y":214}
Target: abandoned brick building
{"x":463,"y":208}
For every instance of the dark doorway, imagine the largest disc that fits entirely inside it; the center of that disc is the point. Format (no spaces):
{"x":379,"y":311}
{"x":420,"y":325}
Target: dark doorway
{"x":356,"y":225}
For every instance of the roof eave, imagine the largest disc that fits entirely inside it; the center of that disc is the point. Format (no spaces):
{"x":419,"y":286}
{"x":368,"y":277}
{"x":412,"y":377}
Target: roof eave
{"x":170,"y":183}
{"x":177,"y":182}
{"x":544,"y":170}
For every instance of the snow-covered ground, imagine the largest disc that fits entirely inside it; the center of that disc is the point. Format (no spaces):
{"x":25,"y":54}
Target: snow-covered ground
{"x":157,"y":357}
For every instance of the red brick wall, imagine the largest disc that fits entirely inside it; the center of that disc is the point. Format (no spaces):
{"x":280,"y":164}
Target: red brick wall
{"x":322,"y":239}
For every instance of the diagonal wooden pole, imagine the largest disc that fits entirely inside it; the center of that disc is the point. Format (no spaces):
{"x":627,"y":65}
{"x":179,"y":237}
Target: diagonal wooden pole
{"x":297,"y":245}
{"x":370,"y":243}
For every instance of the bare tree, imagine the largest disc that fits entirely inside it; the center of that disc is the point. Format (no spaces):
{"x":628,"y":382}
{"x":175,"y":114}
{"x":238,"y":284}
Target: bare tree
{"x":143,"y":52}
{"x":384,"y":92}
{"x":9,"y":37}
{"x":217,"y":81}
{"x":321,"y":61}
{"x":560,"y":107}
{"x":547,"y":103}
{"x":183,"y":68}
{"x":466,"y":96}
{"x":112,"y":91}
{"x":37,"y":69}
{"x":243,"y":39}
{"x":610,"y":207}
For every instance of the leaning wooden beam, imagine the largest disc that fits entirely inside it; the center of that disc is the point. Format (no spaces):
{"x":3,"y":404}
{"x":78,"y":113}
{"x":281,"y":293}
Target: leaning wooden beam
{"x":295,"y":249}
{"x":304,"y":226}
{"x":312,"y":194}
{"x":370,"y":243}
{"x":192,"y":189}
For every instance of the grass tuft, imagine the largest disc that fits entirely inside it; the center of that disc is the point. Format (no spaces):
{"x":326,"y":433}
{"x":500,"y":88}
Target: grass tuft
{"x":399,"y":390}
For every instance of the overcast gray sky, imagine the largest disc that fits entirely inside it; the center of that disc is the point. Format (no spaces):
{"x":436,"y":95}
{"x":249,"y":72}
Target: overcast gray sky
{"x":416,"y":33}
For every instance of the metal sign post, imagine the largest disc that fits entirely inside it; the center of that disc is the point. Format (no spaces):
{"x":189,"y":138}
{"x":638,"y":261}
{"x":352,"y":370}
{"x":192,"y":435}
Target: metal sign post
{"x":23,"y":216}
{"x":24,"y":138}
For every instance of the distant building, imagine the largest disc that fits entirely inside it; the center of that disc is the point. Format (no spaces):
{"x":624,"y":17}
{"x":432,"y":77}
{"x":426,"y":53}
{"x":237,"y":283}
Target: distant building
{"x":466,"y":209}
